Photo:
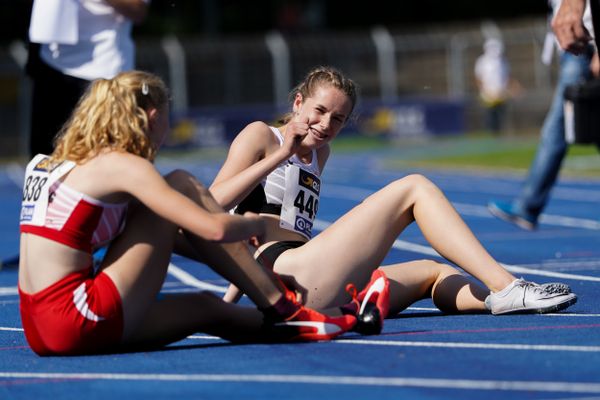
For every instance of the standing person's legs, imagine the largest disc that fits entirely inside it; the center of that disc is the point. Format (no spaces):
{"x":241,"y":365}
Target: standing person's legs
{"x":543,"y":172}
{"x":551,"y":151}
{"x":53,"y":99}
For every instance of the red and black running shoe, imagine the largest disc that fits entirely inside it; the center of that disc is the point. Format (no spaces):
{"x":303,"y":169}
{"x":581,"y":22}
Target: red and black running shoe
{"x":288,"y":320}
{"x":372,"y":304}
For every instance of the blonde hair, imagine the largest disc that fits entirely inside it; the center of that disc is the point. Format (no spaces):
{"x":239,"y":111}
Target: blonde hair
{"x":112,"y":114}
{"x":323,"y":76}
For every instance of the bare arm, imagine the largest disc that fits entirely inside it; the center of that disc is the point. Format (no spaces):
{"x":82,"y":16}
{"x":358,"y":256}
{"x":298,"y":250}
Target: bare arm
{"x":251,"y":158}
{"x":135,"y":10}
{"x":139,"y":178}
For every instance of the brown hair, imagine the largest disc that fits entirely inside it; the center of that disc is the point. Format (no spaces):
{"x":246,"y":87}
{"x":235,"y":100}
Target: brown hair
{"x":324,"y":76}
{"x":112,"y":114}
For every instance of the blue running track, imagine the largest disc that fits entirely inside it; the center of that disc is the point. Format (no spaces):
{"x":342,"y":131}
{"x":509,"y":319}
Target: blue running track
{"x":422,"y":354}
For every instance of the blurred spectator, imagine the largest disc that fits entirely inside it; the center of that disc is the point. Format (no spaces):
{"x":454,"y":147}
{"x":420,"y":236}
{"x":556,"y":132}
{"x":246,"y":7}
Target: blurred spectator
{"x":525,"y":210}
{"x":492,"y":75}
{"x":73,"y":42}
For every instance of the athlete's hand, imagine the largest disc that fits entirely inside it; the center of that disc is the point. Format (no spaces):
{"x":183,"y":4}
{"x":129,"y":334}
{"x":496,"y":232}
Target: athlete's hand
{"x":568,"y":26}
{"x":295,"y":131}
{"x":259,"y":223}
{"x":292,"y":284}
{"x":261,"y":227}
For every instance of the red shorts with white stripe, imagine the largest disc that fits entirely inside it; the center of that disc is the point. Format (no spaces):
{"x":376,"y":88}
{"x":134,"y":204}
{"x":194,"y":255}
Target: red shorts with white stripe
{"x":80,"y":314}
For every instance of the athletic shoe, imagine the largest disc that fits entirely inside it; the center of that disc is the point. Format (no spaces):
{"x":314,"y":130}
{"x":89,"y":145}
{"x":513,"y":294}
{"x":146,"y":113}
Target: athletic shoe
{"x":372,"y":304}
{"x":554,"y":287}
{"x":527,"y":297}
{"x":506,"y":212}
{"x":289,"y":321}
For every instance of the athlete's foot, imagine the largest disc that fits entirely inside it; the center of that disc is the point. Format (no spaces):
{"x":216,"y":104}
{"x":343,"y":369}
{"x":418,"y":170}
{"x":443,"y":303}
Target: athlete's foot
{"x":372,"y":304}
{"x":288,"y":320}
{"x":528,"y":297}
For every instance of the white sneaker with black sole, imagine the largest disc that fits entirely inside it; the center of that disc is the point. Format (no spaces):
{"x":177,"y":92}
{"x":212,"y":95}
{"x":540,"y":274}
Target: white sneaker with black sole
{"x":528,"y":297}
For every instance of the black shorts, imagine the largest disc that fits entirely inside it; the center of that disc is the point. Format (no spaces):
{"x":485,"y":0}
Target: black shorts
{"x":268,"y":256}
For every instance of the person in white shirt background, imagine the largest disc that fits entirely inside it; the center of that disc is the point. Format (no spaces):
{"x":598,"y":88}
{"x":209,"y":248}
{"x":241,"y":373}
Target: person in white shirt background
{"x":73,"y":42}
{"x":492,"y":75}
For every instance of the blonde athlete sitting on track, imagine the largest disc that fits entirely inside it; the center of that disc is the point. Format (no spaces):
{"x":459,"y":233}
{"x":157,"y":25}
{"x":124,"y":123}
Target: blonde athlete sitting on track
{"x":275,"y":171}
{"x":100,"y":186}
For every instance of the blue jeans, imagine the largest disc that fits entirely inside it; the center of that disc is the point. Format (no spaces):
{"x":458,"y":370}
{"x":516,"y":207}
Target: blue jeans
{"x":552,"y":148}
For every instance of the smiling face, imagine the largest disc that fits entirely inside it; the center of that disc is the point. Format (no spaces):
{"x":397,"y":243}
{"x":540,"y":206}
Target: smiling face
{"x":326,"y":111}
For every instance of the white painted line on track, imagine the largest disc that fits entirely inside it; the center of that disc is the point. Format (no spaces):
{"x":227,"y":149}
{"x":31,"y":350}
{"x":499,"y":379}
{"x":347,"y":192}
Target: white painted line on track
{"x":190,"y":280}
{"x":569,"y":315}
{"x":431,"y":383}
{"x":3,"y":328}
{"x":204,"y":337}
{"x":545,"y":219}
{"x":450,"y":345}
{"x":560,"y":275}
{"x":423,"y":309}
{"x":358,"y":195}
{"x":9,"y":291}
{"x":461,"y":345}
{"x":427,"y":250}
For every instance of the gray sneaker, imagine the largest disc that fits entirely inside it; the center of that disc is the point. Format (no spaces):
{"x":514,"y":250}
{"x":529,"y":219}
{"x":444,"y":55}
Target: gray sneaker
{"x":527,"y":297}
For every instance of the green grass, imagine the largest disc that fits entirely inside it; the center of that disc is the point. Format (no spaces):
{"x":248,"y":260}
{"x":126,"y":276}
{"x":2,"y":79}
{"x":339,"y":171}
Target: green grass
{"x":470,"y":152}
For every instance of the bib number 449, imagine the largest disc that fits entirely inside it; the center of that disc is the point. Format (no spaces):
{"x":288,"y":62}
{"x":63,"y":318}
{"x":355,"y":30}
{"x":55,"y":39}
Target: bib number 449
{"x":309,"y":206}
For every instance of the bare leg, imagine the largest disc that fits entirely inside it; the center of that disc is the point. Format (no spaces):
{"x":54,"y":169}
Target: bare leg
{"x":137,"y":263}
{"x":165,"y":322}
{"x":351,"y":248}
{"x":231,"y":260}
{"x":450,"y":290}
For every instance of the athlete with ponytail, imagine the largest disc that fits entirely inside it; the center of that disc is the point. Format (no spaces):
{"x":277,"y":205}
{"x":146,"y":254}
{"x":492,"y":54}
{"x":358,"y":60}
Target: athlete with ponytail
{"x":275,"y":171}
{"x":100,"y":188}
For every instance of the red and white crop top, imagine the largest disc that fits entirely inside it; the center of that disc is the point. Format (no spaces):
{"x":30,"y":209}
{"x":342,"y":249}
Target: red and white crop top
{"x":55,"y":211}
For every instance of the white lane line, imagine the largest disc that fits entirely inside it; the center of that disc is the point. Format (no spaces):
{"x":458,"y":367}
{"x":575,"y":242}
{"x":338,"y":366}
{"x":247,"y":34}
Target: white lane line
{"x":460,"y":384}
{"x":462,"y":345}
{"x":569,"y":315}
{"x":204,"y":337}
{"x":9,"y":291}
{"x":175,"y":271}
{"x":427,"y":250}
{"x":4,"y":328}
{"x":190,"y":280}
{"x":546,"y":219}
{"x":358,"y":195}
{"x":451,"y":345}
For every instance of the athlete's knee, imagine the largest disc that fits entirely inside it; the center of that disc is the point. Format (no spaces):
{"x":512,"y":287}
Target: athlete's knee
{"x":411,"y":187}
{"x":185,"y":183}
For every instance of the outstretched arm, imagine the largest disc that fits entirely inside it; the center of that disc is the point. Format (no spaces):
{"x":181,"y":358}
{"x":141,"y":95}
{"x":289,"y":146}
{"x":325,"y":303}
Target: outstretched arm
{"x":139,"y":178}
